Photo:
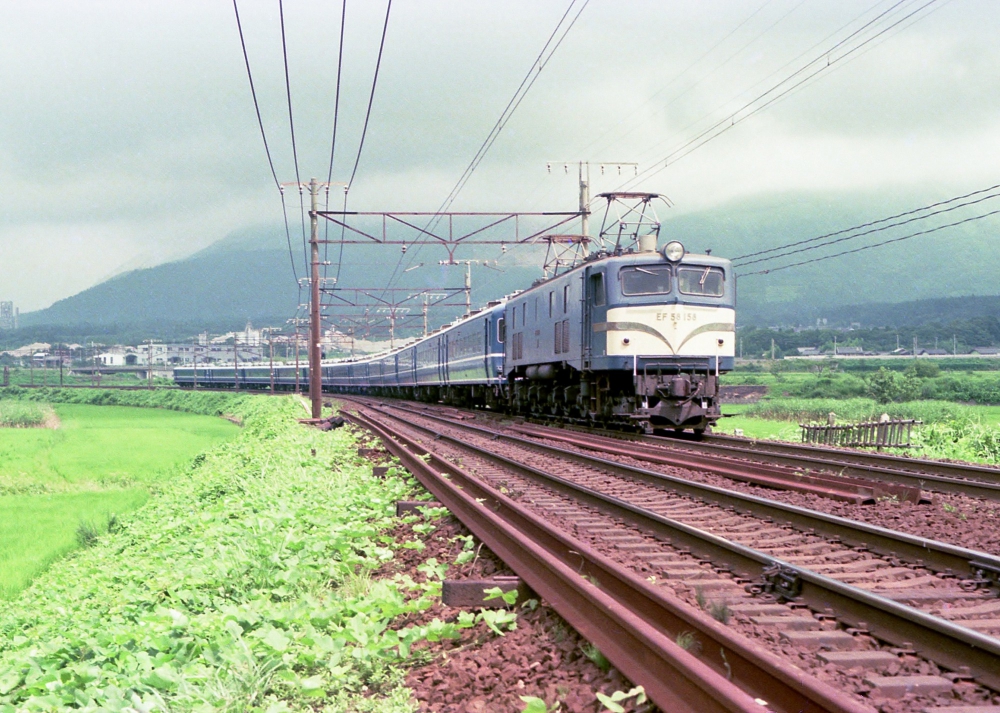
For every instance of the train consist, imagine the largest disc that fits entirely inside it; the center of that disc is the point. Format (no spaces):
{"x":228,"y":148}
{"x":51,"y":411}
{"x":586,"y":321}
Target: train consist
{"x":635,"y":339}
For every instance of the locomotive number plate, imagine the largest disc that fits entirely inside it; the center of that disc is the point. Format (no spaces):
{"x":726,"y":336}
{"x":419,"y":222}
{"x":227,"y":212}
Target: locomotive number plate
{"x":676,"y":318}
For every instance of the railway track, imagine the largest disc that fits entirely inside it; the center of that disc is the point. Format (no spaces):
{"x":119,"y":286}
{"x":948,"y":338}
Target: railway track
{"x":963,"y":478}
{"x":857,"y":474}
{"x":812,"y":582}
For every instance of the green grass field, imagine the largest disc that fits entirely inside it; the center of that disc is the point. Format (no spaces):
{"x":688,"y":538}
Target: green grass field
{"x":99,"y":463}
{"x":952,"y":431}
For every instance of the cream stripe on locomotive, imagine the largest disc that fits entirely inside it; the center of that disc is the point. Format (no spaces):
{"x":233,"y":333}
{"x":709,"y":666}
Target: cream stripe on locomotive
{"x":678,"y":330}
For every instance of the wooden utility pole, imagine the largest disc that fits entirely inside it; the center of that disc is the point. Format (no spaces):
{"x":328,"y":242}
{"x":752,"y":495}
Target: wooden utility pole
{"x":236,"y":362}
{"x":149,"y":363}
{"x":270,"y":346}
{"x":315,"y":331}
{"x":298,"y":389}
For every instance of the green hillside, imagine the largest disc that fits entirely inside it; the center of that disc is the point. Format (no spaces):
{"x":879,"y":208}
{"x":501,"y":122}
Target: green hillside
{"x":241,"y":277}
{"x":247,"y":276}
{"x":955,"y":262}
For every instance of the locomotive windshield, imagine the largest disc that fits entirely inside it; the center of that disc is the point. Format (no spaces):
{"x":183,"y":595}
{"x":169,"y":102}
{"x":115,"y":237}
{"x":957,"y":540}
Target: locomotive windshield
{"x":700,"y":281}
{"x":645,"y":280}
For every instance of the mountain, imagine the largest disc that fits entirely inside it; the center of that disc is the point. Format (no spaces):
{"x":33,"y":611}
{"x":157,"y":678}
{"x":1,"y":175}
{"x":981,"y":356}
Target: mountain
{"x":247,"y":275}
{"x":242,"y":277}
{"x":954,"y":262}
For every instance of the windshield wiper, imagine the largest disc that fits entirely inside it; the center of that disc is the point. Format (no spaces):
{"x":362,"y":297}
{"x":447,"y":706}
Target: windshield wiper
{"x":648,"y":272}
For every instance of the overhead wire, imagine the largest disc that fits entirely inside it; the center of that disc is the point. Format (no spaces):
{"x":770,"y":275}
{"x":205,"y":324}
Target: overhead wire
{"x":263,"y":135}
{"x":733,"y":119}
{"x":291,"y":127}
{"x":333,"y":150}
{"x":774,"y":73}
{"x":870,"y":232}
{"x":935,"y":229}
{"x":364,"y":130}
{"x":515,"y":101}
{"x":715,"y":69}
{"x":788,"y":246}
{"x":371,"y":97}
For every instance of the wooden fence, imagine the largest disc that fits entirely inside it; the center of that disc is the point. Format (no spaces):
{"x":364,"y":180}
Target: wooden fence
{"x":875,"y":434}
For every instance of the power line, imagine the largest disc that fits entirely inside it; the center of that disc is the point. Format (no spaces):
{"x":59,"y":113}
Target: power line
{"x":869,"y":232}
{"x":336,"y":101}
{"x":866,"y":225}
{"x":364,"y":130}
{"x":699,"y":81}
{"x":263,"y":135}
{"x":869,"y":247}
{"x":371,"y":97}
{"x":730,"y":121}
{"x":291,"y":127}
{"x":515,"y":101}
{"x":333,"y":145}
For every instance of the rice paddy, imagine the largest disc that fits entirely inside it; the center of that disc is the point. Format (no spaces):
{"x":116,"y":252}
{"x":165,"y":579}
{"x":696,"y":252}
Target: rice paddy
{"x":100,"y":462}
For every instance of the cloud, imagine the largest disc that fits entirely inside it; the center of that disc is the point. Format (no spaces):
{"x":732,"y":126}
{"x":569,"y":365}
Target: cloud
{"x":128,"y":134}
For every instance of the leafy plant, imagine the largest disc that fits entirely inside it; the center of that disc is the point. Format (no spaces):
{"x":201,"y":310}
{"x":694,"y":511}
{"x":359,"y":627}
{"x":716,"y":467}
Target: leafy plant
{"x":534,"y":704}
{"x":612,"y":702}
{"x":497,"y":618}
{"x":268,"y":602}
{"x":509,"y":597}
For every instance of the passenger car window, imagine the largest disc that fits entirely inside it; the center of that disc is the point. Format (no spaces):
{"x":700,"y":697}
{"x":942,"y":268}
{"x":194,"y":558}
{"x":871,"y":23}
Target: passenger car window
{"x":645,"y":280}
{"x":700,"y":281}
{"x":501,"y":330}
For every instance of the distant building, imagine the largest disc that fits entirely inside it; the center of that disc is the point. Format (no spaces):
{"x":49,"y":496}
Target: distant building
{"x":111,"y":359}
{"x":808,"y":351}
{"x":932,"y":351}
{"x":9,"y":315}
{"x":849,"y":351}
{"x":986,"y":351}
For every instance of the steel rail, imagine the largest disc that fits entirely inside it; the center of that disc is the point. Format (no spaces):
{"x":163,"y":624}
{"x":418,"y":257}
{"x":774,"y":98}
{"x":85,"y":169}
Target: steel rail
{"x":937,"y":639}
{"x":856,"y":490}
{"x":937,"y":556}
{"x":966,"y":479}
{"x":630,"y":620}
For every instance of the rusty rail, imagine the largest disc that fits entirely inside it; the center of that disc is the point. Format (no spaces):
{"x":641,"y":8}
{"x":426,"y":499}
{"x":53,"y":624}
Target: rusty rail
{"x":631,"y":621}
{"x":837,"y":487}
{"x":940,"y":640}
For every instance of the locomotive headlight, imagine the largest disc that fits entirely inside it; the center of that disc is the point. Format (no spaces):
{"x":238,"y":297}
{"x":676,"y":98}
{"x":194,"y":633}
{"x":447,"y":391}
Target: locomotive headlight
{"x":673,"y":251}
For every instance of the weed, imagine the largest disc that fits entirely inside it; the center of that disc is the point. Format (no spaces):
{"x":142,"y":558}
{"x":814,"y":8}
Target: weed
{"x":699,"y":597}
{"x":558,"y":632}
{"x":534,"y":704}
{"x":612,"y":702}
{"x":686,"y":640}
{"x":87,"y":533}
{"x":595,"y":656}
{"x":720,"y":611}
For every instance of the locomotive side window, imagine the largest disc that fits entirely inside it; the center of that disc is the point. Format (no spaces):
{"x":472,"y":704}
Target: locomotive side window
{"x":700,"y":281}
{"x":501,"y":330}
{"x":552,"y":299}
{"x":647,"y":280}
{"x":565,"y":299}
{"x":597,"y":288}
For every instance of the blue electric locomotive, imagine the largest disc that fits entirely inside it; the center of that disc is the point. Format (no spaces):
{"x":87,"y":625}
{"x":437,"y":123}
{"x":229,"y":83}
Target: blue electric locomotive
{"x":636,"y":338}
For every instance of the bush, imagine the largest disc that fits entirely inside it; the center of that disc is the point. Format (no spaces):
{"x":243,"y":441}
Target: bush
{"x":230,"y":589}
{"x":857,"y":410}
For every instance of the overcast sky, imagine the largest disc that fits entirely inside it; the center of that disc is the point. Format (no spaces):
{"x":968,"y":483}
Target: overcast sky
{"x":128,"y":135}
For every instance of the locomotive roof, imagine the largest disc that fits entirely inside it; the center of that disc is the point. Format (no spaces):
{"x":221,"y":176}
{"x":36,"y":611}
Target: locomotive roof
{"x":633,"y":258}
